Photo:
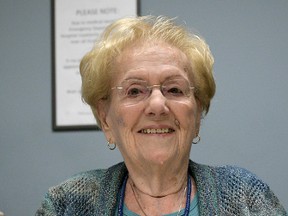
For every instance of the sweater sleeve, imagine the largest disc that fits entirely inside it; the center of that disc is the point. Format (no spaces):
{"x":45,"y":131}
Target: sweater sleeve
{"x":75,"y":196}
{"x":248,"y":195}
{"x":48,"y":207}
{"x":261,"y":199}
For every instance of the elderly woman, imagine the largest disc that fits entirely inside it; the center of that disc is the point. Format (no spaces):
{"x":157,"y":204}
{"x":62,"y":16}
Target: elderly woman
{"x":149,"y":83}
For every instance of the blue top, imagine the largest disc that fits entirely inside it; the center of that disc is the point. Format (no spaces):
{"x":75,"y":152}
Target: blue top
{"x":194,"y":211}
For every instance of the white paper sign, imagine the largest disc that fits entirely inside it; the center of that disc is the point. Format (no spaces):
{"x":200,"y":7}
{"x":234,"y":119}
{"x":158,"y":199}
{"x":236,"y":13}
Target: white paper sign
{"x":77,"y":24}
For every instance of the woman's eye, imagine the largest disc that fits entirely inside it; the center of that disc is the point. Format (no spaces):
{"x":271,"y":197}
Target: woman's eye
{"x":176,"y":91}
{"x":135,"y":91}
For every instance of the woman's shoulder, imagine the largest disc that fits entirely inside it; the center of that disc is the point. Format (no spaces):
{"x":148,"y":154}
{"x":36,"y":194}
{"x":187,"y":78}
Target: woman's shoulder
{"x":83,"y":183}
{"x":224,"y":172}
{"x":230,"y":177}
{"x":81,"y":190}
{"x":236,"y":190}
{"x":89,"y":179}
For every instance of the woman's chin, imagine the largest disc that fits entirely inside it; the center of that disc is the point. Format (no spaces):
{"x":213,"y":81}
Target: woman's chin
{"x":159,"y":159}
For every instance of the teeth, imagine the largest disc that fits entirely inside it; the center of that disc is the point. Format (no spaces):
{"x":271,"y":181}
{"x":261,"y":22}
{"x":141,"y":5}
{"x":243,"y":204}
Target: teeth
{"x":157,"y":131}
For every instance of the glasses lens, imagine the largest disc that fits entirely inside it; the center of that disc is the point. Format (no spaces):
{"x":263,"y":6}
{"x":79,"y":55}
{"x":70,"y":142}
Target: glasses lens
{"x":176,"y":89}
{"x":134,"y":91}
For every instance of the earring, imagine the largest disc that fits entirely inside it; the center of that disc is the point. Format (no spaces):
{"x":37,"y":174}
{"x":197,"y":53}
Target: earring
{"x":111,"y":146}
{"x":198,"y":138}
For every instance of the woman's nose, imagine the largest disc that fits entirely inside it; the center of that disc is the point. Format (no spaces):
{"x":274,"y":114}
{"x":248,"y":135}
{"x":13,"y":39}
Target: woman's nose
{"x":156,"y":103}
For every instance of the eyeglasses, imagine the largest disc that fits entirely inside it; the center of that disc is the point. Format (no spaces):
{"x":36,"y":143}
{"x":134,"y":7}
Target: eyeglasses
{"x":133,"y":91}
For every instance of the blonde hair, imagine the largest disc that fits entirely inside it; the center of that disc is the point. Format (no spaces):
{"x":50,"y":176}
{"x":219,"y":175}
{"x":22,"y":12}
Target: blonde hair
{"x":96,"y":66}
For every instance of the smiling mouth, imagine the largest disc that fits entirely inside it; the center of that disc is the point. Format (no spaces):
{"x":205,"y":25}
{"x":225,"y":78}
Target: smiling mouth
{"x":156,"y":131}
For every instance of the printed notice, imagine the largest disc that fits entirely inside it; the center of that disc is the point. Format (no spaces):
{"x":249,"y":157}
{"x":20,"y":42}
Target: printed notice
{"x":77,"y":24}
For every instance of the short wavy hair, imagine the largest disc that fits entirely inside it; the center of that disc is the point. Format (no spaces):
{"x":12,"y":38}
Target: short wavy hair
{"x":96,"y":66}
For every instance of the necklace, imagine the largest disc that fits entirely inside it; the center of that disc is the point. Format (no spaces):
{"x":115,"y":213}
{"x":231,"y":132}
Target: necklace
{"x":142,"y":209}
{"x":122,"y":196}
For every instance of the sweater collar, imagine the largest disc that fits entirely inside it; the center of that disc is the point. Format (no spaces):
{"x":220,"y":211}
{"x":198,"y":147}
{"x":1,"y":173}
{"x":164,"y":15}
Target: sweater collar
{"x":113,"y":178}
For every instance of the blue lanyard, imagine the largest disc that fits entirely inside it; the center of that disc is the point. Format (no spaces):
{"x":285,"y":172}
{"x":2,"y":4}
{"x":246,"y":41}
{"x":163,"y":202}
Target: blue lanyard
{"x":122,"y":195}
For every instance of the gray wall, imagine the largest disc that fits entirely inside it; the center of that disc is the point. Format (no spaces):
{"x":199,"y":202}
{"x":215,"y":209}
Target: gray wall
{"x":247,"y":125}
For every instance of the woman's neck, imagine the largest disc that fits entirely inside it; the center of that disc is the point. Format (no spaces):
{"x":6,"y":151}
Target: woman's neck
{"x":158,"y":180}
{"x":146,"y":204}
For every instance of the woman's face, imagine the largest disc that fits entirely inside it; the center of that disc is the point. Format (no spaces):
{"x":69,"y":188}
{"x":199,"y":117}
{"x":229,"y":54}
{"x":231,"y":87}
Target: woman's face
{"x":155,"y":128}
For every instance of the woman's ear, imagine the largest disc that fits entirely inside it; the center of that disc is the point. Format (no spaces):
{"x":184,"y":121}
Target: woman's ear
{"x":102,"y":114}
{"x":198,"y":116}
{"x":102,"y":110}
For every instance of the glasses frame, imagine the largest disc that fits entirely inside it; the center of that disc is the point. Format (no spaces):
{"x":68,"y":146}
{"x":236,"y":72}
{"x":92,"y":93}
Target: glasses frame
{"x":151,"y":87}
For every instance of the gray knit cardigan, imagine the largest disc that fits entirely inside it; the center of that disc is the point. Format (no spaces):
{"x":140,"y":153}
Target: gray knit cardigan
{"x":224,"y":190}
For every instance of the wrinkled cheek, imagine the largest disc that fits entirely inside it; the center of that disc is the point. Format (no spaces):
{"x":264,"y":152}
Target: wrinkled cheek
{"x":118,"y":116}
{"x":122,"y":117}
{"x":124,"y":138}
{"x":188,"y":112}
{"x":121,"y":129}
{"x":120,"y":121}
